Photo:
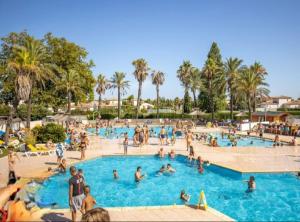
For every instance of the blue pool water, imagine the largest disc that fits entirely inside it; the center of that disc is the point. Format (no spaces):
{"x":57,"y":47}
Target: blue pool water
{"x":243,"y":141}
{"x":277,"y":197}
{"x":118,"y":132}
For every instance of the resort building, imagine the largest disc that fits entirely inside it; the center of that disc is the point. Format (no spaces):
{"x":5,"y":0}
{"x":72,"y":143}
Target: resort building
{"x":274,"y":103}
{"x":292,"y":105}
{"x":270,"y":117}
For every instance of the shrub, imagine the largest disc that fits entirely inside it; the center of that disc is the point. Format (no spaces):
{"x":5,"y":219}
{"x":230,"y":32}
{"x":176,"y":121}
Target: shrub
{"x":4,"y":110}
{"x":38,"y":112}
{"x":51,"y":131}
{"x":30,"y":137}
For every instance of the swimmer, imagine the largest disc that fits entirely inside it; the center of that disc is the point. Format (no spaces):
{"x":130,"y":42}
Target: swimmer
{"x":115,"y":174}
{"x":162,"y":169}
{"x":251,"y":142}
{"x":251,"y":184}
{"x":185,"y":197}
{"x":170,"y":169}
{"x":138,"y":175}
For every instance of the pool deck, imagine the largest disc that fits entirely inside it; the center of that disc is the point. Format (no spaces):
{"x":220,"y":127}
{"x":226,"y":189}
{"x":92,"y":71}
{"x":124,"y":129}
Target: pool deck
{"x":165,"y":213}
{"x":244,"y":159}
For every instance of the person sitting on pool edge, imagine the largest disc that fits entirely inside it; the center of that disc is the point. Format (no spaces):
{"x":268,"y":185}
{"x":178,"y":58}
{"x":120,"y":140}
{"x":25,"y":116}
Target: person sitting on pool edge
{"x":138,"y":176}
{"x":116,"y":175}
{"x":185,"y":197}
{"x":251,"y":184}
{"x":161,"y":153}
{"x":170,"y":169}
{"x":172,"y":154}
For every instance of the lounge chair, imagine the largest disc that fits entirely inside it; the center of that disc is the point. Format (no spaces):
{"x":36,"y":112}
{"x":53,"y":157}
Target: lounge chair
{"x":37,"y":151}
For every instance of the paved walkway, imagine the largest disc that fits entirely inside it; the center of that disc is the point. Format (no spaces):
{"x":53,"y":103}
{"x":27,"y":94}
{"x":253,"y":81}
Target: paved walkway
{"x":173,"y":213}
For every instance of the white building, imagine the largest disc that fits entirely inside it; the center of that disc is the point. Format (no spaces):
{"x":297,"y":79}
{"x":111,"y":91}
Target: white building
{"x":274,"y":103}
{"x":146,"y":106}
{"x":292,"y":105}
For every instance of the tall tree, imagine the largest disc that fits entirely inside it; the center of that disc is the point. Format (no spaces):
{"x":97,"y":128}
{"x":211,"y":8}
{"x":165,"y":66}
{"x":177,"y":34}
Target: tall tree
{"x":214,"y":82}
{"x":232,"y":68}
{"x":70,"y":57}
{"x":184,"y":75}
{"x":261,"y":72}
{"x":140,"y":73}
{"x":187,"y":103}
{"x":118,"y":82}
{"x":102,"y":86}
{"x":158,"y":79}
{"x":195,"y":83}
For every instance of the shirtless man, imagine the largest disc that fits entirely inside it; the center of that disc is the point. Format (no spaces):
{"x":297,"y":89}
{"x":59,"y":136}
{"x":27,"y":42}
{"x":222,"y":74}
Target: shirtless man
{"x":88,"y":202}
{"x":138,"y":175}
{"x":170,"y":168}
{"x":189,"y":138}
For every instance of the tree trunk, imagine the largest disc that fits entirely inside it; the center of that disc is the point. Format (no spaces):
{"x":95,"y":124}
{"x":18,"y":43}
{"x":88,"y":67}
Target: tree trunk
{"x":69,"y":102}
{"x":157,"y":101}
{"x":9,"y":121}
{"x":254,"y":103}
{"x":194,"y":95}
{"x":99,"y":103}
{"x":249,"y":109}
{"x":138,"y":99}
{"x":119,"y":106}
{"x":212,"y":108}
{"x":231,"y":106}
{"x":28,"y":119}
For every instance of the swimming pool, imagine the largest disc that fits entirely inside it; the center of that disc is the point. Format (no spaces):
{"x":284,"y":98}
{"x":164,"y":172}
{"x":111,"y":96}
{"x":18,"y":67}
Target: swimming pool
{"x":244,"y":141}
{"x":277,"y":196}
{"x":117,"y":132}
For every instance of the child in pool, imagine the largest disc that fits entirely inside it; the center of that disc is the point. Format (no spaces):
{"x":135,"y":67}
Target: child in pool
{"x":251,"y":184}
{"x":185,"y":197}
{"x":116,"y":175}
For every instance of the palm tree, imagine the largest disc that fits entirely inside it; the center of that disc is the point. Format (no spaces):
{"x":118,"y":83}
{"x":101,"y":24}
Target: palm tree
{"x":195,"y":83}
{"x":118,"y":81}
{"x":102,"y":86}
{"x":184,"y":75}
{"x":29,"y":63}
{"x":261,"y":72}
{"x":158,"y":79}
{"x":71,"y":84}
{"x":249,"y":83}
{"x":140,"y":73}
{"x":232,"y":71}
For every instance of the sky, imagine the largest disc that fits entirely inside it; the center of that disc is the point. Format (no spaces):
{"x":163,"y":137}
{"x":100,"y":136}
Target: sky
{"x":167,"y":32}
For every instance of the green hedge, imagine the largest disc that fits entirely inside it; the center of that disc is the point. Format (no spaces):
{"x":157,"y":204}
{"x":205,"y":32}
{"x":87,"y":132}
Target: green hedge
{"x":51,"y":131}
